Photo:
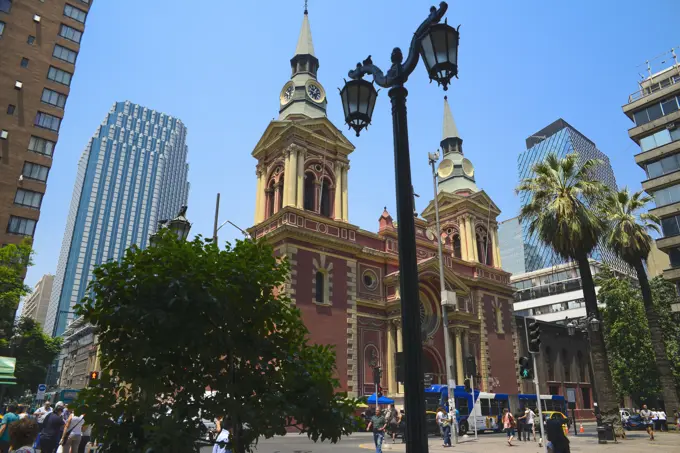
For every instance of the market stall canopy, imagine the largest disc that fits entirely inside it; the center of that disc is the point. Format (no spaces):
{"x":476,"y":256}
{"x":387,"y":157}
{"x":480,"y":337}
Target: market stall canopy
{"x":381,"y":400}
{"x":7,"y":367}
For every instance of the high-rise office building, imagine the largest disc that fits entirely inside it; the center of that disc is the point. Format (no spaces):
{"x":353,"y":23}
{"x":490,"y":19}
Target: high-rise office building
{"x":132,"y":174}
{"x":511,"y":243}
{"x":561,"y":138}
{"x":36,"y":303}
{"x":39,"y":45}
{"x":655,"y":110}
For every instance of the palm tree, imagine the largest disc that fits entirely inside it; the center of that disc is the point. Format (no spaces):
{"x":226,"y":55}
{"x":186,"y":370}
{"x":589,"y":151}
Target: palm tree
{"x":561,"y":193}
{"x":628,"y":236}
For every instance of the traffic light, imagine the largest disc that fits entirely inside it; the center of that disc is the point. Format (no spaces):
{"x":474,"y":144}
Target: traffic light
{"x":525,"y":369}
{"x":94,"y":375}
{"x":534,"y":337}
{"x":471,"y":366}
{"x":466,"y":383}
{"x":380,"y":391}
{"x":377,"y":374}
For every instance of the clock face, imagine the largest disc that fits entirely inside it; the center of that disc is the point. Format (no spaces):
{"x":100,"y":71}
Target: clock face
{"x":445,"y":168}
{"x":314,"y":92}
{"x":287,"y":93}
{"x":468,"y":168}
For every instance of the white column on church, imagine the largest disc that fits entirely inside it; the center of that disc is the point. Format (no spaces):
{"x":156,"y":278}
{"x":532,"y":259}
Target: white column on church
{"x":496,"y":249}
{"x":337,"y":204}
{"x":345,"y":213}
{"x":300,"y":201}
{"x":391,"y":358}
{"x":287,"y":177}
{"x":292,"y":194}
{"x":464,"y":246}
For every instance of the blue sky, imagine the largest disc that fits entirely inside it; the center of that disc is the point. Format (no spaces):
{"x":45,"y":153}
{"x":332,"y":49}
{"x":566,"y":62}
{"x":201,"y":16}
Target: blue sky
{"x":220,"y":65}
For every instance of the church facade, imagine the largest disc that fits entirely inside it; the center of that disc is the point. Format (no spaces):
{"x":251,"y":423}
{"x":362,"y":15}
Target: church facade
{"x":345,"y":280}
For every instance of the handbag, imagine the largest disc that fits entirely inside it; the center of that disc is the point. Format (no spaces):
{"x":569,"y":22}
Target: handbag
{"x":68,"y":433}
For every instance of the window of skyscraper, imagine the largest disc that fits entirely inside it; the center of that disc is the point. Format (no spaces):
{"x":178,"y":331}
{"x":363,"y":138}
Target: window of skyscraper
{"x":64,"y":54}
{"x":10,"y":109}
{"x":670,"y":226}
{"x":5,"y":6}
{"x":53,"y":98}
{"x":35,"y":171}
{"x":24,"y":62}
{"x":59,"y":76}
{"x":655,"y":111}
{"x":30,"y":40}
{"x":20,"y":225}
{"x":47,"y":121}
{"x":2,"y":28}
{"x":667,"y":196}
{"x":28,"y":198}
{"x":674,"y":255}
{"x":664,"y":166}
{"x":75,"y":13}
{"x":70,"y":33}
{"x":41,"y":146}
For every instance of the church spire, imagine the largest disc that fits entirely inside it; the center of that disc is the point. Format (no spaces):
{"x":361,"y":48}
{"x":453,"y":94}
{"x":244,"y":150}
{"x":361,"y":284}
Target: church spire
{"x":303,"y":96}
{"x":305,"y":45}
{"x":451,"y":141}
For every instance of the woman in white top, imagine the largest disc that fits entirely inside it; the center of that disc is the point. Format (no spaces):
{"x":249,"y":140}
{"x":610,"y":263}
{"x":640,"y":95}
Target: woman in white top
{"x":73,"y":430}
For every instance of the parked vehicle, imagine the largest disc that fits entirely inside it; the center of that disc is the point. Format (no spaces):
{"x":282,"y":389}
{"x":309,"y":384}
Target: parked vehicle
{"x":554,"y":415}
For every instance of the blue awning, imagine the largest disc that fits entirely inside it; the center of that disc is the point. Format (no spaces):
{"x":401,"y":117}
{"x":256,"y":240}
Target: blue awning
{"x":381,"y":400}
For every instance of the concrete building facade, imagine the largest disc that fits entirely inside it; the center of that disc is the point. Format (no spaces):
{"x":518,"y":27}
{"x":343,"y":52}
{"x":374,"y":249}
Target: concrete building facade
{"x":39,"y":45}
{"x":132,"y":174}
{"x":655,"y":112}
{"x":36,"y":303}
{"x":345,"y":280}
{"x":78,"y":357}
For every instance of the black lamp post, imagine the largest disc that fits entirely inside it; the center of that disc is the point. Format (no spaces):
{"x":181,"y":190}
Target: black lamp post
{"x":438,"y":45}
{"x":179,"y":226}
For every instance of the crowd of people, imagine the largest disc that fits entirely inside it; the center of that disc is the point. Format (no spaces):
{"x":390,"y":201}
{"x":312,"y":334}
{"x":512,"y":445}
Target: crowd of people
{"x":23,"y":431}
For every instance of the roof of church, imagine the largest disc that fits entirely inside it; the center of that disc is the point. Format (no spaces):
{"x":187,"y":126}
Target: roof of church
{"x":449,"y":129}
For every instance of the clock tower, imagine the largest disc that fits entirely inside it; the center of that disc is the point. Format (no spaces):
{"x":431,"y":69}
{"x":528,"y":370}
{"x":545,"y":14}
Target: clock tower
{"x":303,"y":96}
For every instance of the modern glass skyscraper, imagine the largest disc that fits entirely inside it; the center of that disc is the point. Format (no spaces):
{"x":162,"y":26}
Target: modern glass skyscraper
{"x":561,"y":138}
{"x":511,"y":244}
{"x":132,"y":174}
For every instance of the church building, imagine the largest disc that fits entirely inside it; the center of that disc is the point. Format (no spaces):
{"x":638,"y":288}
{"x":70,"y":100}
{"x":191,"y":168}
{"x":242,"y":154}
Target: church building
{"x":345,"y":280}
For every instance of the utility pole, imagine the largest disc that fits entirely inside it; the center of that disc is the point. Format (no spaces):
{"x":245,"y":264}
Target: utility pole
{"x":450,"y":380}
{"x":217,"y":215}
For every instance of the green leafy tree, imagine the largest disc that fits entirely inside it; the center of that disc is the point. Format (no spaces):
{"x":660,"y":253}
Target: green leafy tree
{"x":14,"y":260}
{"x":665,"y":295}
{"x":628,"y":236}
{"x":34,"y":351}
{"x":181,"y":317}
{"x":561,"y":193}
{"x":626,"y":334}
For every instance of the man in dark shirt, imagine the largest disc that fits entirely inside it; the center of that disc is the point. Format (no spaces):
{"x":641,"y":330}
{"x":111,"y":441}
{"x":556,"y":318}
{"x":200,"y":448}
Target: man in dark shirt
{"x":378,"y":424}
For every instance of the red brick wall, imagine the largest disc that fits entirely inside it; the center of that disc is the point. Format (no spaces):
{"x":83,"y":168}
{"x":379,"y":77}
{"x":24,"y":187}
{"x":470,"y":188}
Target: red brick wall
{"x":501,"y":352}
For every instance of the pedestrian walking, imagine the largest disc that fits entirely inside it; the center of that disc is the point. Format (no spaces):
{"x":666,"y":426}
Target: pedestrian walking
{"x":557,"y":440}
{"x":85,"y":438}
{"x":392,"y":417}
{"x":9,"y":418}
{"x":662,"y":420}
{"x":378,"y":425}
{"x":42,"y":412}
{"x":521,"y":426}
{"x":677,"y":419}
{"x":51,"y":432}
{"x":646,"y":416}
{"x":22,"y":435}
{"x":402,"y":425}
{"x":73,"y":431}
{"x":223,"y":435}
{"x":509,"y":425}
{"x":530,"y":418}
{"x":438,"y":420}
{"x":446,"y":428}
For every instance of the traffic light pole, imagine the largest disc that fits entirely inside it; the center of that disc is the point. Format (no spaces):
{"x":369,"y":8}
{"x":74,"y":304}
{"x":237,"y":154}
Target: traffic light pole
{"x":534,"y":359}
{"x":474,"y":404}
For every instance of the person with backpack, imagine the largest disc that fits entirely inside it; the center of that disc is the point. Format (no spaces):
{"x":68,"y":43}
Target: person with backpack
{"x":53,"y":426}
{"x":9,"y":418}
{"x":392,"y":418}
{"x":509,"y":424}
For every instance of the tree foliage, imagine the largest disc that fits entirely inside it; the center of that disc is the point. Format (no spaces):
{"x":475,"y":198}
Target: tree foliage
{"x":665,"y":295}
{"x":180,"y":317}
{"x":14,"y":260}
{"x":626,"y":334}
{"x":34,"y":351}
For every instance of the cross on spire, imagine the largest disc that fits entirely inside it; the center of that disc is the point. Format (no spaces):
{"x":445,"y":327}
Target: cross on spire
{"x":305,"y":6}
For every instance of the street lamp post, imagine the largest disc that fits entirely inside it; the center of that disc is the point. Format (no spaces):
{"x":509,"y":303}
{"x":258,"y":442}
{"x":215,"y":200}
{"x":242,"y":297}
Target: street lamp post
{"x":450,"y":380}
{"x":438,"y":45}
{"x":179,"y":226}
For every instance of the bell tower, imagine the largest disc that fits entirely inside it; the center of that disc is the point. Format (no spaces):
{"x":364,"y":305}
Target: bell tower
{"x":302,"y":157}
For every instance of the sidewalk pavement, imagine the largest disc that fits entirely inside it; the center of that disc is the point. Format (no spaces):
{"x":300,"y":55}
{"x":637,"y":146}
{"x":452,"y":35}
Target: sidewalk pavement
{"x":635,"y":442}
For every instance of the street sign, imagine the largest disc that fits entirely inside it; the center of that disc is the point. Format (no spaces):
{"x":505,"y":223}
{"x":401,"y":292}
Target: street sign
{"x":41,"y":392}
{"x":571,"y":395}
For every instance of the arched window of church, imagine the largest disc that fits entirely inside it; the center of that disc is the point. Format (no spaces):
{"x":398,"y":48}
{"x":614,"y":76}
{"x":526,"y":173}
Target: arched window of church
{"x":271,"y":192}
{"x":484,"y":249}
{"x":320,"y":287}
{"x":309,"y":195}
{"x":456,"y":246}
{"x":325,"y":202}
